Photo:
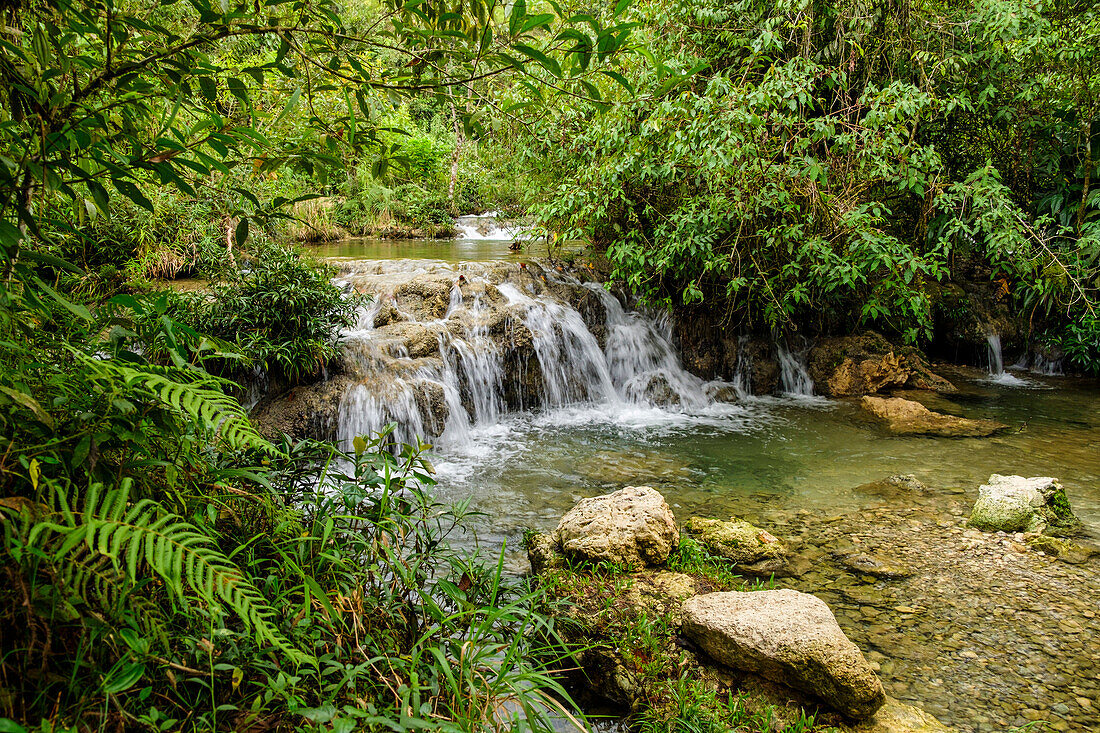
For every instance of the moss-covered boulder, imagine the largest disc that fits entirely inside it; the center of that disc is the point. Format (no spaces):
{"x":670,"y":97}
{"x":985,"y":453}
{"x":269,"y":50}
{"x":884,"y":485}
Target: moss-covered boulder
{"x":750,"y":549}
{"x":1018,"y":504}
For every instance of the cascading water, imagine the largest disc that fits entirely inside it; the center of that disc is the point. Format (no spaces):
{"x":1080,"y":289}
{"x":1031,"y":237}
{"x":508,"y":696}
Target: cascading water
{"x":484,"y":226}
{"x":793,"y":377}
{"x":444,"y":350}
{"x":997,"y":373}
{"x":996,"y":360}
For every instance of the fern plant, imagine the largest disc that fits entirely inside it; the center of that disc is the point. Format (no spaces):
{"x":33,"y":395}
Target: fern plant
{"x":103,"y":538}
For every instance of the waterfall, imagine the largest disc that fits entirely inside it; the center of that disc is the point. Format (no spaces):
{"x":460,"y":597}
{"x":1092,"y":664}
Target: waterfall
{"x":742,"y":373}
{"x":484,"y":226}
{"x":793,"y":377}
{"x":447,"y":350}
{"x":1047,"y":367}
{"x":997,"y":373}
{"x":996,"y":360}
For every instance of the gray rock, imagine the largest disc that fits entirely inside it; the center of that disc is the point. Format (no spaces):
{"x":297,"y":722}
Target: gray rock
{"x":789,"y":637}
{"x":632,"y":527}
{"x":1018,"y":504}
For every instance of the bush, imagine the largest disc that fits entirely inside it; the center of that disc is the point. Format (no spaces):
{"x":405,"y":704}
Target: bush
{"x":281,"y":312}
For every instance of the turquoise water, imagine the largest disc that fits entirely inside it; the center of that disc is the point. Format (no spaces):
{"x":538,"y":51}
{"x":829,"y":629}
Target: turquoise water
{"x":773,"y":453}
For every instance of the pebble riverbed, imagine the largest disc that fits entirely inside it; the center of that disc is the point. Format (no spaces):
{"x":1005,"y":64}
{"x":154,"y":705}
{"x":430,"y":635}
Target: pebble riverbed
{"x":985,"y":633}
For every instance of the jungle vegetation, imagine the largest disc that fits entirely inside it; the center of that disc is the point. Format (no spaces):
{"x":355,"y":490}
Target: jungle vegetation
{"x":810,"y":166}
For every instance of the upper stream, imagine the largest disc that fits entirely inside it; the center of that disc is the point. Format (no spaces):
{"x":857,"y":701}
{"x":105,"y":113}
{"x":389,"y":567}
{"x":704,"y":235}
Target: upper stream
{"x":538,"y":389}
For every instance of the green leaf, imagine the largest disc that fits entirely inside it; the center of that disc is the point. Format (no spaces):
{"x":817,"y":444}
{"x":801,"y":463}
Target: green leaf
{"x":545,"y":61}
{"x":240,"y":234}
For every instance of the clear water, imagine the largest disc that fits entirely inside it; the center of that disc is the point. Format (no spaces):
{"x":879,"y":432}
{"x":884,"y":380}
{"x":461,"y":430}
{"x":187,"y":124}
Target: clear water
{"x":527,"y":470}
{"x":446,"y":250}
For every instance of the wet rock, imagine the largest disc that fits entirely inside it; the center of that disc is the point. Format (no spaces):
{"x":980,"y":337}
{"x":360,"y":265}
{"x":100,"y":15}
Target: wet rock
{"x":789,"y":637}
{"x":417,"y":339}
{"x":1015,"y":503}
{"x":431,"y":402}
{"x":875,"y":565}
{"x":632,"y":527}
{"x":723,"y":392}
{"x":894,"y":486}
{"x":424,"y":298}
{"x":906,"y":417}
{"x":750,"y":549}
{"x":1074,"y":553}
{"x":657,"y":390}
{"x":867,"y":363}
{"x":307,"y":411}
{"x":897,"y":717}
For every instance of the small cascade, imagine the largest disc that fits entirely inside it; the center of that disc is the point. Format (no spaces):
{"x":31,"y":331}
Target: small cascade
{"x":996,"y":360}
{"x":484,"y":226}
{"x":997,"y":373}
{"x":1048,"y":367}
{"x":794,"y":379}
{"x":742,"y":373}
{"x":641,"y":359}
{"x":446,"y":350}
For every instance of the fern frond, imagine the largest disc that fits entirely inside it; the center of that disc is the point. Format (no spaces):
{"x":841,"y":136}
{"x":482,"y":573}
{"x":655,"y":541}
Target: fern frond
{"x":112,"y":538}
{"x":193,"y":393}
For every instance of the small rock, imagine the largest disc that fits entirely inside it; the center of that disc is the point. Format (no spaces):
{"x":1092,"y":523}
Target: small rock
{"x":789,"y":637}
{"x":752,"y":550}
{"x":632,"y":527}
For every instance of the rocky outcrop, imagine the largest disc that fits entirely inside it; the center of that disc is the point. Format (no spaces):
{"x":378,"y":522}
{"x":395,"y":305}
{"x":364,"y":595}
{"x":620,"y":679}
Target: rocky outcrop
{"x":852,"y":366}
{"x":631,"y":527}
{"x":906,"y":417}
{"x":308,"y":411}
{"x":751,"y":550}
{"x":1018,"y":504}
{"x":789,"y":637}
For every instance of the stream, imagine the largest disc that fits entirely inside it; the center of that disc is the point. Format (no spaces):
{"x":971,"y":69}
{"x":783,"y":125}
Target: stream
{"x":990,"y":635}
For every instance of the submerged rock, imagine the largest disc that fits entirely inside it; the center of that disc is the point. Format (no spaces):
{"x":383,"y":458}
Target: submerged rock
{"x":906,"y":417}
{"x":905,"y":484}
{"x":789,"y":637}
{"x":632,"y":527}
{"x":875,"y":565}
{"x":751,"y":550}
{"x":1018,"y":504}
{"x":897,"y":717}
{"x":1074,"y":553}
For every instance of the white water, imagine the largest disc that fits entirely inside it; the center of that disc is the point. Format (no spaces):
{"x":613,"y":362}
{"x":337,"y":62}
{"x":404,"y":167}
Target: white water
{"x":484,"y":226}
{"x":631,"y":377}
{"x":997,"y":373}
{"x":794,"y":380}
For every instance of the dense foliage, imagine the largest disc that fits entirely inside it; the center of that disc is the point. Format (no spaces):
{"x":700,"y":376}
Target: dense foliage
{"x":832,"y":162}
{"x":162,"y":565}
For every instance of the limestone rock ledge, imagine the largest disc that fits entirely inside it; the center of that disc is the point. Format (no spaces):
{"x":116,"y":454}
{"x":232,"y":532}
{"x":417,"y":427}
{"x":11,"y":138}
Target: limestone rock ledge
{"x":906,"y":417}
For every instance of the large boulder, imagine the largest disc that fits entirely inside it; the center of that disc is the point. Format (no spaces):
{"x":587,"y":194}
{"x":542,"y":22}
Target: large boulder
{"x":789,"y":637}
{"x":749,"y":549}
{"x":906,"y":417}
{"x":1018,"y":504}
{"x":632,"y":527}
